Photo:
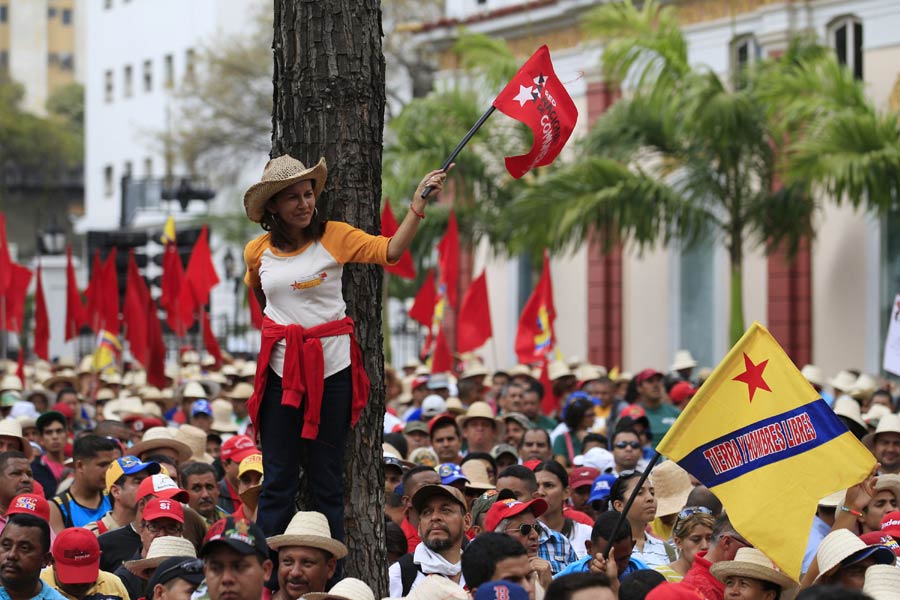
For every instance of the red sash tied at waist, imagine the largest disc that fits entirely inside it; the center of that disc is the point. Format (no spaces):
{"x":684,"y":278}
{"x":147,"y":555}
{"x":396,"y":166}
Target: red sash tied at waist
{"x":304,"y":370}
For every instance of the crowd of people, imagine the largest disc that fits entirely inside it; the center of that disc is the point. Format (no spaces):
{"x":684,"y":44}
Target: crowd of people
{"x":128,"y":491}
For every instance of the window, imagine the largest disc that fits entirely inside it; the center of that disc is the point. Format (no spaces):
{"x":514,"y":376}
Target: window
{"x":108,"y":180}
{"x":107,"y":4}
{"x":67,"y":61}
{"x":52,"y":58}
{"x":126,"y":169}
{"x":697,"y":299}
{"x":745,"y":52}
{"x":108,"y":86}
{"x":845,"y":35}
{"x":128,"y":81}
{"x":4,"y":13}
{"x":4,"y":59}
{"x":148,"y":167}
{"x":148,"y":76}
{"x":67,"y":16}
{"x":189,"y":57}
{"x":51,"y":13}
{"x":170,"y":70}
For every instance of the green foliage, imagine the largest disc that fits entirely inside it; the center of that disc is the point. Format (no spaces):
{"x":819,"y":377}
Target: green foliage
{"x":67,"y":105}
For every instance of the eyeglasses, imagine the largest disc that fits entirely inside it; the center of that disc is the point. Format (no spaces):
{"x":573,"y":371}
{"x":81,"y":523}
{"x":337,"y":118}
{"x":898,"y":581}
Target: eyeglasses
{"x":623,"y":445}
{"x":733,"y":535}
{"x":525,"y":529}
{"x":190,"y":567}
{"x":154,"y":528}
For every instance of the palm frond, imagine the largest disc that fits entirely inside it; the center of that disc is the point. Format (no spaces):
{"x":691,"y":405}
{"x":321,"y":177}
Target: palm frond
{"x":781,"y":219}
{"x":486,"y":57}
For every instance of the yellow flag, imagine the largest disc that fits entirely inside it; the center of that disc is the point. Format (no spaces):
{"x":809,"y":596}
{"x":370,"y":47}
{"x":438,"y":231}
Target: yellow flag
{"x":762,"y":439}
{"x":168,"y":231}
{"x":107,"y":352}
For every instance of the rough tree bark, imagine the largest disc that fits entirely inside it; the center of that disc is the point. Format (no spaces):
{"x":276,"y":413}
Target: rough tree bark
{"x":329,"y":101}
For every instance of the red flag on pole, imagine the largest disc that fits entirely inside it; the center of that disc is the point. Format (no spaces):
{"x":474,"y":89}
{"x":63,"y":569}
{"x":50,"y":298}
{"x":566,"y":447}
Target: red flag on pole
{"x":20,"y":363}
{"x":535,"y":337}
{"x":448,"y":248}
{"x":441,"y":360}
{"x":5,"y":259}
{"x":404,"y":267}
{"x":473,"y":325}
{"x":536,"y":97}
{"x":156,"y":359}
{"x":422,"y":310}
{"x":94,"y":293}
{"x":199,"y":278}
{"x":135,"y":313}
{"x":172,"y":279}
{"x":41,"y":320}
{"x":19,"y":278}
{"x":256,"y":315}
{"x":209,"y":339}
{"x":74,"y":306}
{"x":110,"y":301}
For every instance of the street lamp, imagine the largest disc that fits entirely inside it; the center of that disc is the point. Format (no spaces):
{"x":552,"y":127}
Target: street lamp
{"x":53,"y":239}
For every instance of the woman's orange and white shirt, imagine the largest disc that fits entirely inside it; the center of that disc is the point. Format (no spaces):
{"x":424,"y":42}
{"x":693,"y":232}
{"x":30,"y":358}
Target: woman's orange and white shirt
{"x":304,"y":286}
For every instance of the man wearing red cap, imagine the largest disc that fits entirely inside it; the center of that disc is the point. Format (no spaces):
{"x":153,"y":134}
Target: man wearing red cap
{"x":161,"y":516}
{"x":234,"y":450}
{"x":519,"y":521}
{"x":75,"y":571}
{"x":660,"y":413}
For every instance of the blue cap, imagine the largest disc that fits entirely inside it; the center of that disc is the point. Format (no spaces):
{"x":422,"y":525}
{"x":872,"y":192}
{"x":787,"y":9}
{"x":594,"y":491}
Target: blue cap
{"x":201,"y":407}
{"x":601,"y":487}
{"x":501,"y":590}
{"x":450,"y":472}
{"x":128,"y":465}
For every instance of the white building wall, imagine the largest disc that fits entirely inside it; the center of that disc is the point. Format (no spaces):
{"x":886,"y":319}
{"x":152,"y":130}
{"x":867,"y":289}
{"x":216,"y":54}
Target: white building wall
{"x":28,"y":51}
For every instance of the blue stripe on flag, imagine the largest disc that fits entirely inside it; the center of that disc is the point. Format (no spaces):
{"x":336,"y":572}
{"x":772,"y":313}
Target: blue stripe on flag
{"x":763,"y":443}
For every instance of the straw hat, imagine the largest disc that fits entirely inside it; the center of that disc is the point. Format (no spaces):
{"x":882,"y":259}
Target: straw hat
{"x":478,"y":409}
{"x":111,"y":378}
{"x":150,"y":393}
{"x":193,"y":390}
{"x":683,"y":360}
{"x":875,"y":413}
{"x":248,"y":369}
{"x":12,"y":428}
{"x":833,"y":500}
{"x":132,"y":405}
{"x":63,"y":376}
{"x":278,"y":174}
{"x":889,"y":482}
{"x":588,"y":372}
{"x":843,"y":381}
{"x":195,"y":439}
{"x":813,"y":375}
{"x":889,"y":423}
{"x":423,"y":457}
{"x":474,"y":370}
{"x":841,"y":544}
{"x":520,"y":370}
{"x":222,"y":413}
{"x":864,"y":386}
{"x":86,"y":365}
{"x":105,"y":395}
{"x":478,"y":475}
{"x":435,"y":587}
{"x":751,"y":563}
{"x":847,"y":407}
{"x":673,"y":485}
{"x":557,"y":370}
{"x":882,"y":582}
{"x":241,"y":391}
{"x":454,"y":405}
{"x":11,"y":382}
{"x":309,"y":528}
{"x":162,"y":548}
{"x":161,"y":437}
{"x":347,"y":588}
{"x":151,"y":409}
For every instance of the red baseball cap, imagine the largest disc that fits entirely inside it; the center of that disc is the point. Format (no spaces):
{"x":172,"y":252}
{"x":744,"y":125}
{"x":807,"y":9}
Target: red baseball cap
{"x":583,"y":476}
{"x":510,"y":507}
{"x":238,"y":447}
{"x":441,"y":418}
{"x":163,"y":508}
{"x":76,"y":556}
{"x":880,"y":538}
{"x":633,"y":411}
{"x":890,"y":523}
{"x":65,"y":410}
{"x":531,"y":464}
{"x":681,"y":391}
{"x":645,"y":375}
{"x":30,"y":504}
{"x":161,"y":486}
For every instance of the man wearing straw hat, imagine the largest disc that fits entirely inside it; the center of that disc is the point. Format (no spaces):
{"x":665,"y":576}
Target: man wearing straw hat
{"x":307,"y":556}
{"x":752,"y":576}
{"x":136,"y":573}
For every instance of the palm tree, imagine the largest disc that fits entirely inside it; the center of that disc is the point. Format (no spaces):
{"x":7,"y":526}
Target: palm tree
{"x":686,"y":155}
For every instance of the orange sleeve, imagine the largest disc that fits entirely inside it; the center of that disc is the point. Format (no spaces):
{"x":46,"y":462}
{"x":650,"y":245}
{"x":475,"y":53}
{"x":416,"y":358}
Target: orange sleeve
{"x":253,"y":252}
{"x":348,"y":244}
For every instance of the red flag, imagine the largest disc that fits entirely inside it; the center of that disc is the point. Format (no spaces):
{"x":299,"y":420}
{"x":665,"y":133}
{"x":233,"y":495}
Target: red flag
{"x":256,"y":315}
{"x":14,"y":298}
{"x":172,"y":278}
{"x":448,"y":248}
{"x":404,"y":267}
{"x":473,"y":325}
{"x":110,"y":303}
{"x":20,"y":364}
{"x":441,"y":360}
{"x":199,"y":278}
{"x":549,"y":404}
{"x":41,"y":320}
{"x":156,"y":355}
{"x":135,"y":313}
{"x":94,"y":294}
{"x":5,"y":259}
{"x":74,"y":306}
{"x":536,"y":97}
{"x":210,"y":341}
{"x":422,"y":310}
{"x":535,"y":337}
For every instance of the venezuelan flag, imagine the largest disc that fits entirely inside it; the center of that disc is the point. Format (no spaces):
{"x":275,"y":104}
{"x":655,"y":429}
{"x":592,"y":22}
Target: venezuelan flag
{"x":107,"y":353}
{"x":762,"y":439}
{"x":168,"y":235}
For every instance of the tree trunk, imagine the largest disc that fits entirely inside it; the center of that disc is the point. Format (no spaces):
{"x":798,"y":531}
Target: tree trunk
{"x":736,"y":324}
{"x":329,"y":101}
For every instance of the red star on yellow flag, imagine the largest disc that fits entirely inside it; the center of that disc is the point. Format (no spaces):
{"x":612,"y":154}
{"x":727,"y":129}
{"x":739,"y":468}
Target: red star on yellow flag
{"x":753,"y":376}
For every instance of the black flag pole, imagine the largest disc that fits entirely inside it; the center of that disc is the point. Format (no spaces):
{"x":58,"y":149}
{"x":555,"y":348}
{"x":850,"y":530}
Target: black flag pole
{"x":461,"y":145}
{"x":624,"y":514}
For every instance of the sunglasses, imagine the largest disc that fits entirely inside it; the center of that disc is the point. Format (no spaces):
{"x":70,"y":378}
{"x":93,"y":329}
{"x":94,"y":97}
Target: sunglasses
{"x":623,"y":445}
{"x":191,"y":567}
{"x":687,"y":511}
{"x":525,"y":529}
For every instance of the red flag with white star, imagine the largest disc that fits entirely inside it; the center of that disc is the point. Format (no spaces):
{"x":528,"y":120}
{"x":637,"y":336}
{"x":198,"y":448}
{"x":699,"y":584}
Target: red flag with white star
{"x":536,"y":97}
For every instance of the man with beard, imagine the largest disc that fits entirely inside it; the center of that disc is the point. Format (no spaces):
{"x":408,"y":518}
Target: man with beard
{"x":199,"y":479}
{"x":307,"y":556}
{"x":24,"y":551}
{"x":443,"y":521}
{"x":15,"y":479}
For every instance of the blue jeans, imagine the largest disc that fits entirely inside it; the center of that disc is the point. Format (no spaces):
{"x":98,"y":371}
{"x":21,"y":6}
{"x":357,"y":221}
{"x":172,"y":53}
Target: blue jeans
{"x":322,"y":459}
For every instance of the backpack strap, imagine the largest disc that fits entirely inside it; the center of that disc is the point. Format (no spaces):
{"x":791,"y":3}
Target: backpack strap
{"x":570,"y":449}
{"x":62,"y":503}
{"x":409,"y":571}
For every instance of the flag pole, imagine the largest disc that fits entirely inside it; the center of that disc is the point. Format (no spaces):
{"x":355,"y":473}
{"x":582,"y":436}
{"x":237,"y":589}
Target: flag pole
{"x":461,"y":145}
{"x":5,"y":339}
{"x":624,"y":514}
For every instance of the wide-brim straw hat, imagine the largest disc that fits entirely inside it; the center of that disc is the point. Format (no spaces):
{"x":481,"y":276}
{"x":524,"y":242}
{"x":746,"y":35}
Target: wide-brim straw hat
{"x":672,"y":485}
{"x":193,"y":390}
{"x":683,"y":360}
{"x":11,"y":382}
{"x":864,"y":386}
{"x":160,"y":437}
{"x":64,"y":376}
{"x":12,"y":428}
{"x":478,"y":409}
{"x":890,"y":482}
{"x":347,"y":588}
{"x":843,"y":381}
{"x":753,"y":564}
{"x":222,"y":413}
{"x":195,"y":438}
{"x":278,"y":174}
{"x":882,"y":582}
{"x":845,"y":406}
{"x":589,"y":372}
{"x":557,"y":370}
{"x":889,"y":423}
{"x":241,"y":391}
{"x":162,"y":548}
{"x":309,"y":528}
{"x":841,"y":544}
{"x":435,"y":587}
{"x":478,"y":475}
{"x":875,"y":413}
{"x":813,"y":374}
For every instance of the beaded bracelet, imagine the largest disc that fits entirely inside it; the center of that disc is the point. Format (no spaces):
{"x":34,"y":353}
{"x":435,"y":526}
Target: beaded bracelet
{"x":855,"y":513}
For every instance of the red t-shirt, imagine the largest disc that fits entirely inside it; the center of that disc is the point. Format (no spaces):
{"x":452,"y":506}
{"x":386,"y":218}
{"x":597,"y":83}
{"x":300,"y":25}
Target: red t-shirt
{"x":412,"y":535}
{"x":699,"y":578}
{"x":577,"y":516}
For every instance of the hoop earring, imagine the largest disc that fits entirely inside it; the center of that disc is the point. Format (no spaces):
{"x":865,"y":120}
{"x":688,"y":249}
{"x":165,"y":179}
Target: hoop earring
{"x":316,"y":212}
